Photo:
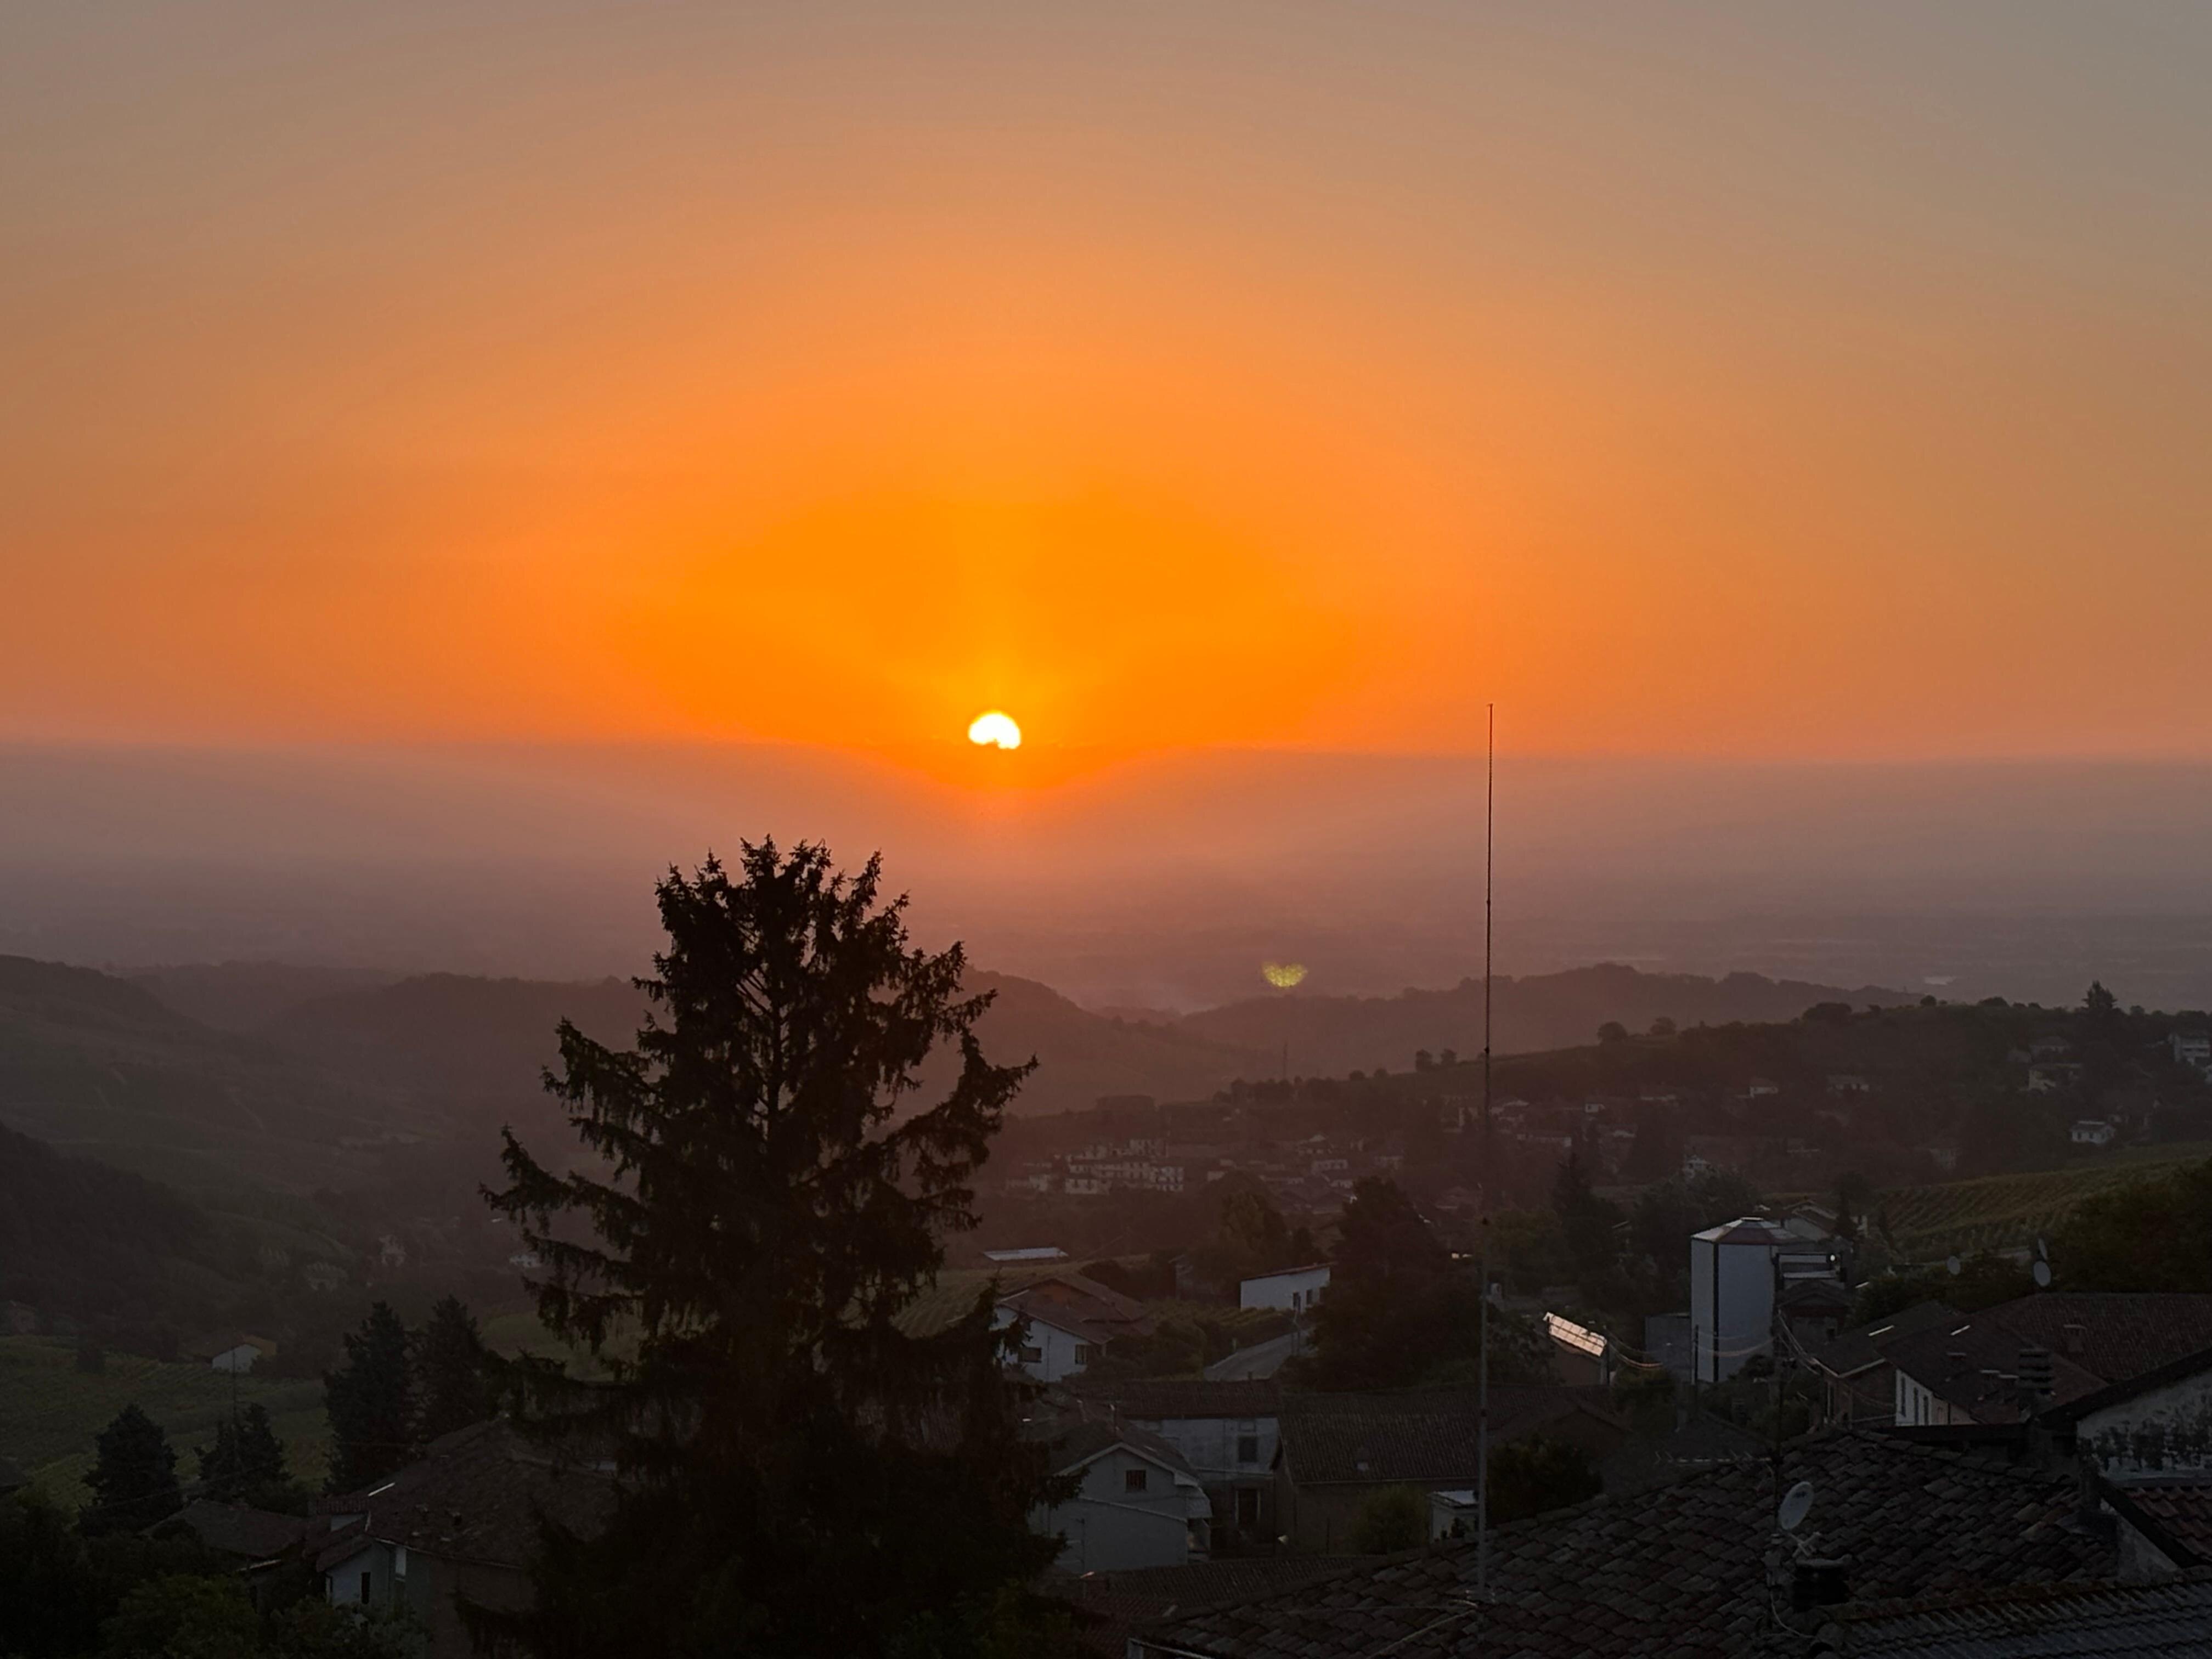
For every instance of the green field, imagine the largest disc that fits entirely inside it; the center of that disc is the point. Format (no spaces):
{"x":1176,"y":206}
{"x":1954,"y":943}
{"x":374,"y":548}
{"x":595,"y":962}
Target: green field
{"x":2000,"y":1212}
{"x":50,"y":1410}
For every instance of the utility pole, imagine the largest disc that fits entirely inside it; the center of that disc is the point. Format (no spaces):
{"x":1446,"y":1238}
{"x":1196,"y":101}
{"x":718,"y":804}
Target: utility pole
{"x":1489,"y":1184}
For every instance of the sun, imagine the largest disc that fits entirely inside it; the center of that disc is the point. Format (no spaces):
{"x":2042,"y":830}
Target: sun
{"x":994,"y":731}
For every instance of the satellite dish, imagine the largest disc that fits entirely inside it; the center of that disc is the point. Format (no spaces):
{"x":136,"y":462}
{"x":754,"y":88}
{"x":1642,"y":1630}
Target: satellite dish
{"x":2042,"y":1271}
{"x":1952,"y":1266}
{"x":1796,"y":1504}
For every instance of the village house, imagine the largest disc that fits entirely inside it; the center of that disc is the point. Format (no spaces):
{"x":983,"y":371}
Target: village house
{"x":1138,"y":1502}
{"x":2005,"y":1364}
{"x":1292,"y":1290}
{"x":1071,"y":1320}
{"x":1858,"y":1384}
{"x":463,"y":1520}
{"x":237,"y":1353}
{"x":1226,"y":1430}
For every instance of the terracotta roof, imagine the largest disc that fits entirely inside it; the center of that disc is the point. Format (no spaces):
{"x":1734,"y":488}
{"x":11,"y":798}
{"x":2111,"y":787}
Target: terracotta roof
{"x":2170,"y":1619}
{"x":1154,"y":1399}
{"x":2095,"y":1339}
{"x":1415,"y":1434}
{"x":1855,"y":1351}
{"x":237,"y":1528}
{"x":1679,"y":1570}
{"x":475,"y":1495}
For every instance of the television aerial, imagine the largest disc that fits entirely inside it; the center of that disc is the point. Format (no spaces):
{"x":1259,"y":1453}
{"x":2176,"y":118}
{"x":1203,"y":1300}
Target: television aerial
{"x":1796,"y":1504}
{"x":1953,"y":1266}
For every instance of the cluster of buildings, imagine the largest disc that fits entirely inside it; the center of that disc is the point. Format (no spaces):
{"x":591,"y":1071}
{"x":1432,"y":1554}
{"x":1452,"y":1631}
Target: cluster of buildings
{"x":1315,"y":1173}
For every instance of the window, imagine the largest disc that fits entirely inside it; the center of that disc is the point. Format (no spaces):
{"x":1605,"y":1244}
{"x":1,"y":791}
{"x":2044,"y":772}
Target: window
{"x":1085,"y":1353}
{"x":1032,"y":1355}
{"x":1247,"y":1448}
{"x":1247,"y":1508}
{"x":365,"y":1579}
{"x":1133,"y":1479}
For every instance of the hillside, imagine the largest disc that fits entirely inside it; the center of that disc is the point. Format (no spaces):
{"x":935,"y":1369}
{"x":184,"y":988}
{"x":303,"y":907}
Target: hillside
{"x":1329,"y":1036}
{"x":479,"y":1045}
{"x":94,"y":1064}
{"x":2010,"y":1212}
{"x":50,"y":1410}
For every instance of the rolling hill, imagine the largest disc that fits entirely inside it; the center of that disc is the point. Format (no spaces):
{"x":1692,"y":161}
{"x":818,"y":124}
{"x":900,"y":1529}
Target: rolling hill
{"x":1330,"y":1035}
{"x":95,"y":1064}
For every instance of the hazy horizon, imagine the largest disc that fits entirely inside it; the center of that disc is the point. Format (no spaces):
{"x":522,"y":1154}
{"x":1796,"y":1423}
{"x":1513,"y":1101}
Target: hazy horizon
{"x":1161,"y":880}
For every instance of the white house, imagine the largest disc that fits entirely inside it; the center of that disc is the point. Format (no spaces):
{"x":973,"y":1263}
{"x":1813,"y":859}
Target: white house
{"x":1138,"y":1502}
{"x":2092,"y":1131}
{"x":2192,"y":1049}
{"x":1226,"y":1430}
{"x":1294,"y":1289}
{"x":1070,"y":1319}
{"x":234,"y":1353}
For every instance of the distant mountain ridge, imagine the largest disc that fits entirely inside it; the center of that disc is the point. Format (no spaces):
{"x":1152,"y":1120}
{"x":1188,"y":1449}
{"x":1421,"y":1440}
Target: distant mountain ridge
{"x":478,"y":1045}
{"x":1329,"y":1035}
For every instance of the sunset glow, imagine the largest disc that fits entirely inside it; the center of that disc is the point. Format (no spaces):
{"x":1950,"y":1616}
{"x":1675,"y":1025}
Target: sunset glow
{"x":1705,"y":395}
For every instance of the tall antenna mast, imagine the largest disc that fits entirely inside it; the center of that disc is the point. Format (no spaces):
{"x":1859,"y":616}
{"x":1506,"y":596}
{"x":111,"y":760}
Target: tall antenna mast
{"x":1489,"y":1182}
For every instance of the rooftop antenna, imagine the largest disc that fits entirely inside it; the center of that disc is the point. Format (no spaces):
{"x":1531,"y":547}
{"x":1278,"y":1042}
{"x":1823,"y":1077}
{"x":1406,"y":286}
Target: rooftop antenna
{"x":1489,"y":1179}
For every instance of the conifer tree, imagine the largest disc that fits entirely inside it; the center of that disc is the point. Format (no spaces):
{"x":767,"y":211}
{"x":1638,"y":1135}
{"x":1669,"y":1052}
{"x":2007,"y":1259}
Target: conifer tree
{"x":371,"y":1403}
{"x":134,"y":1477}
{"x":453,"y":1372}
{"x":246,"y":1463}
{"x":798,"y":1475}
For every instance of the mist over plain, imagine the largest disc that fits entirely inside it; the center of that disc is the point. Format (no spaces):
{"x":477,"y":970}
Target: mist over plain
{"x":1160,"y":881}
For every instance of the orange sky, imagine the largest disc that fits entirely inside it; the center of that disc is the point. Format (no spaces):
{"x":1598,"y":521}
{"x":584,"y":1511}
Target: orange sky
{"x":1165,"y":375}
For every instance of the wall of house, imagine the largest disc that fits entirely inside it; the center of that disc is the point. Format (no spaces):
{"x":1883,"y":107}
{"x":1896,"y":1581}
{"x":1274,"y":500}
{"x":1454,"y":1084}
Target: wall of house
{"x":1059,"y":1354}
{"x":1109,"y":1528}
{"x":1214,"y":1447}
{"x":1291,"y":1292}
{"x":2157,"y":1432}
{"x":1918,"y":1407}
{"x":1731,"y":1306}
{"x":426,"y":1586}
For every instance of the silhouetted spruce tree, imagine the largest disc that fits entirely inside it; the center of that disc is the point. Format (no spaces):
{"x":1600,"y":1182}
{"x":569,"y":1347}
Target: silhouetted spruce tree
{"x":134,"y":1475}
{"x":798,"y":1474}
{"x":370,"y":1401}
{"x":453,"y":1372}
{"x":246,"y":1465}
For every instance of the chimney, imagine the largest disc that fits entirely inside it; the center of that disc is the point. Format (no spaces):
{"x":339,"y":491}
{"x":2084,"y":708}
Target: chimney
{"x":2077,"y":1337}
{"x":2035,"y":1382}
